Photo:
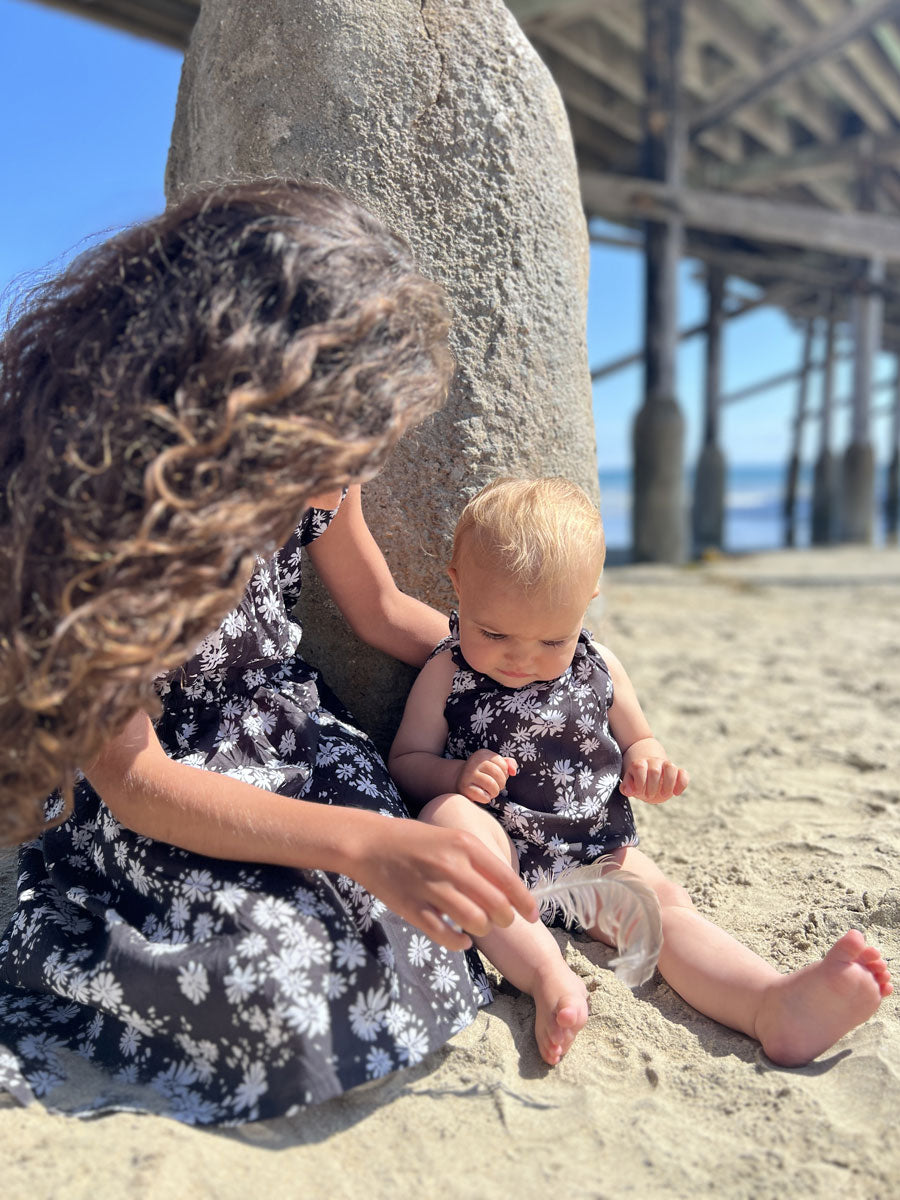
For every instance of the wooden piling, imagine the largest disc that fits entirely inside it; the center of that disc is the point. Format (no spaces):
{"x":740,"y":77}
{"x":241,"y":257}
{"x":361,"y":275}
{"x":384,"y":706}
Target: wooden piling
{"x":892,"y":495}
{"x":708,"y":523}
{"x":658,"y":525}
{"x":824,"y":481}
{"x":858,"y":468}
{"x":793,"y":467}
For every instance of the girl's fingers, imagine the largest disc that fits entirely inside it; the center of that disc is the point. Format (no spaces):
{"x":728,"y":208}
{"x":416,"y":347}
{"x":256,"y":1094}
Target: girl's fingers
{"x":482,"y":893}
{"x":464,"y":912}
{"x":439,"y":930}
{"x":475,"y":906}
{"x":505,"y":890}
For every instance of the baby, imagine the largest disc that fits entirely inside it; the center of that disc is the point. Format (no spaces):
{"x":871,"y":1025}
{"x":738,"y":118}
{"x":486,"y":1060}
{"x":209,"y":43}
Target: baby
{"x":523,"y":731}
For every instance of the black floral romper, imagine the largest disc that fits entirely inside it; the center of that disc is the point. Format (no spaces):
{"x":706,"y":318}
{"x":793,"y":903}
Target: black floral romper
{"x":216,"y":991}
{"x":563,"y":806}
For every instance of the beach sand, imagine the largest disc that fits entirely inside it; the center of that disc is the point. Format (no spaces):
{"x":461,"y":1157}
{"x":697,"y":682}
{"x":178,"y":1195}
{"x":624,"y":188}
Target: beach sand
{"x":774,"y":680}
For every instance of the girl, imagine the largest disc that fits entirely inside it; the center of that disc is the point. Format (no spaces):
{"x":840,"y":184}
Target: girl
{"x":522,"y":731}
{"x":223,"y":913}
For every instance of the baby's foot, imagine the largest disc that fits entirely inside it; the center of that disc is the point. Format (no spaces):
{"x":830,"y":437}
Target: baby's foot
{"x":805,"y":1013}
{"x":561,"y":1010}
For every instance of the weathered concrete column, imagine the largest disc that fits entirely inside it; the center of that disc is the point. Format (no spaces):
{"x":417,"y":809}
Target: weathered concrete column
{"x":439,"y":117}
{"x":892,"y":495}
{"x":709,"y":480}
{"x":793,"y":467}
{"x":824,"y":481}
{"x":658,"y":515}
{"x":858,"y":472}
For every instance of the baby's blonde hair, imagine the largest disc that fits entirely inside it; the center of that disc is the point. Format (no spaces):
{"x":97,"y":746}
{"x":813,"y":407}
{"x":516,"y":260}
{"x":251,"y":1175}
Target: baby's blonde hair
{"x":544,"y":533}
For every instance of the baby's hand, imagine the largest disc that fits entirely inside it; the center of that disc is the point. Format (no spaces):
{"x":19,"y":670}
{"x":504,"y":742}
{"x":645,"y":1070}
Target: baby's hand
{"x":484,"y":774}
{"x":653,"y":780}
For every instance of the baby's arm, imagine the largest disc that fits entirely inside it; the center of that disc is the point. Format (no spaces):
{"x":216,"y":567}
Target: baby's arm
{"x":416,"y":759}
{"x":647,"y":772}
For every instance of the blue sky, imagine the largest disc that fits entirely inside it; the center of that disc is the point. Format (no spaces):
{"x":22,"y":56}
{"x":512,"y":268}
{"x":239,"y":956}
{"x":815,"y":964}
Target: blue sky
{"x":88,"y":117}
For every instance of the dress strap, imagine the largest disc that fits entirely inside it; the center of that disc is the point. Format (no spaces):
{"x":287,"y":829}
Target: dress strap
{"x":451,"y":642}
{"x":315,"y":521}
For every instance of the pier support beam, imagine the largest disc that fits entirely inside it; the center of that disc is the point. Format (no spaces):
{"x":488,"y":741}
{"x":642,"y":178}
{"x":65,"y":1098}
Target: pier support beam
{"x":709,"y":480}
{"x":858,"y":472}
{"x":658,"y":516}
{"x":892,"y":496}
{"x":793,"y":468}
{"x":824,"y":482}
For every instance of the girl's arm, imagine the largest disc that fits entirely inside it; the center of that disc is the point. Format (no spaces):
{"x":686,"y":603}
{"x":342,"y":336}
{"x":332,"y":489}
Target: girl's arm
{"x":352,"y":568}
{"x":418,"y":871}
{"x":416,"y":758}
{"x":647,"y":772}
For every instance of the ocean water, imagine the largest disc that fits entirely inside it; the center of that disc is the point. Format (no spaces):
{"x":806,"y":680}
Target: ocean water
{"x":754,"y":496}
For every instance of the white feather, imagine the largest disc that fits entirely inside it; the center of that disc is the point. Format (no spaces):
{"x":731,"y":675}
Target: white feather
{"x":604,"y":897}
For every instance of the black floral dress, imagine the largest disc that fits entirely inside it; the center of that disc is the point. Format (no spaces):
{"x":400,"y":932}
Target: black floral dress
{"x":563,"y":806}
{"x":216,"y":991}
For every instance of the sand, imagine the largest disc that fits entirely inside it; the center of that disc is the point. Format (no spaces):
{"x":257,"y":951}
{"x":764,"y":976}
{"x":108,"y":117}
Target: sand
{"x":774,"y":679}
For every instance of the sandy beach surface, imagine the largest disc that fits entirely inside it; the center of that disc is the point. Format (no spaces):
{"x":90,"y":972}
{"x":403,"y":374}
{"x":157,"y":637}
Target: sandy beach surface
{"x":774,"y":679}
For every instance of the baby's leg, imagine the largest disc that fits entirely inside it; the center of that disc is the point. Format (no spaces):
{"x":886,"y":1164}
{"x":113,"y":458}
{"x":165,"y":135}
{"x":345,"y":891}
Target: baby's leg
{"x":524,"y":953}
{"x":796,"y":1016}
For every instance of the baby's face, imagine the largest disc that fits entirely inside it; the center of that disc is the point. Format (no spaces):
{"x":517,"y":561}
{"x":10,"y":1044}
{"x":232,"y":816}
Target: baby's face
{"x":513,"y":636}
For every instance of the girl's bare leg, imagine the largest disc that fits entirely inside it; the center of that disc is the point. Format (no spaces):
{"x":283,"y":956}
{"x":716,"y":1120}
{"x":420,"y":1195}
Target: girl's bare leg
{"x":526,"y":954}
{"x":795,"y":1016}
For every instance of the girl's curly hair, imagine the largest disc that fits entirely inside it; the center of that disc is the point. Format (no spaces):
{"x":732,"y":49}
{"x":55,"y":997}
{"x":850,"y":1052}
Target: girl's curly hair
{"x":169,"y":403}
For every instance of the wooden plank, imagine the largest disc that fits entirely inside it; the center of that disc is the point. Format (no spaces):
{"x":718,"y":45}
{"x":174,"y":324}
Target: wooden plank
{"x":526,"y":11}
{"x":807,"y":162}
{"x":611,"y":49}
{"x":713,"y":21}
{"x":582,"y":90}
{"x":779,"y":380}
{"x":890,"y":333}
{"x":775,"y":296}
{"x":833,"y":74}
{"x":761,"y":269}
{"x":618,"y":243}
{"x":597,"y":145}
{"x":621,"y":25}
{"x":792,"y":61}
{"x":563,"y":12}
{"x":860,"y":234}
{"x":868,"y":62}
{"x":167,"y":21}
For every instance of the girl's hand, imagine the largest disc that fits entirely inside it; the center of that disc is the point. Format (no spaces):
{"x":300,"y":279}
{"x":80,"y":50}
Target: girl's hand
{"x":484,"y":774}
{"x":426,"y":874}
{"x":653,"y":780}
